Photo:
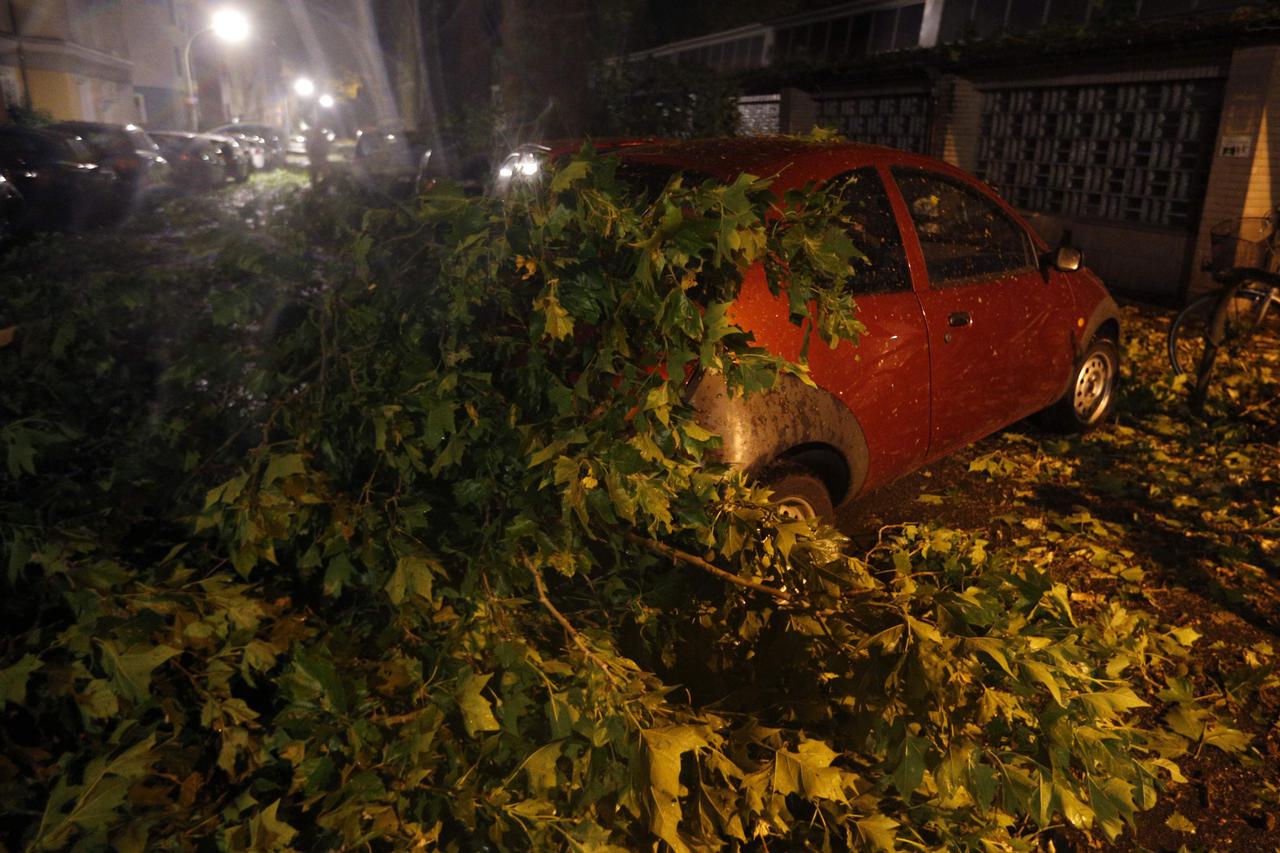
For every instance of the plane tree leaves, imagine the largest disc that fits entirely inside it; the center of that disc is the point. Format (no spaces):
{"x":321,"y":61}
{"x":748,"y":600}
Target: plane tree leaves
{"x":388,"y":525}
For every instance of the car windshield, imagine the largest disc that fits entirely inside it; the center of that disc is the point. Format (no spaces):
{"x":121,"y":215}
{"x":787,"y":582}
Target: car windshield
{"x":171,"y":145}
{"x":77,"y":151}
{"x":141,"y":141}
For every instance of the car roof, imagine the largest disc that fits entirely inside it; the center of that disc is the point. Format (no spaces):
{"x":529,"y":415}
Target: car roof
{"x":790,"y":157}
{"x":96,"y":125}
{"x":41,"y":133}
{"x":794,"y":161}
{"x":243,"y":125}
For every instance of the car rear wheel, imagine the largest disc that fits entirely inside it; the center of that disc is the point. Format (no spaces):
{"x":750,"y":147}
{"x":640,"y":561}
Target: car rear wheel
{"x":798,"y":493}
{"x":1091,"y":395}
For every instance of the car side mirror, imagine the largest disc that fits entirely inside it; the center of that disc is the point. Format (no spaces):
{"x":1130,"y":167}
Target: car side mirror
{"x":1067,"y":259}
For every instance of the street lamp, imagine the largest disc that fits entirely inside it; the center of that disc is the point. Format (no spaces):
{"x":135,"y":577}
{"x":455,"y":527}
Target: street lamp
{"x":229,"y":25}
{"x":326,"y":101}
{"x":303,"y":87}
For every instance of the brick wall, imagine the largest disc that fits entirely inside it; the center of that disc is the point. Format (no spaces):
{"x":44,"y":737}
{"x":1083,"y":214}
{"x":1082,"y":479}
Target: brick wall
{"x":1159,"y":263}
{"x":957,"y":123}
{"x":1244,"y":177}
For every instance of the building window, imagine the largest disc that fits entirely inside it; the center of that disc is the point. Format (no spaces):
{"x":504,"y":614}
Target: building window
{"x":759,"y":115}
{"x":910,"y":19}
{"x":882,"y":30}
{"x":898,"y":121}
{"x":1025,"y":15}
{"x":1125,"y":152}
{"x":1071,"y":12}
{"x":964,"y":19}
{"x":851,"y":37}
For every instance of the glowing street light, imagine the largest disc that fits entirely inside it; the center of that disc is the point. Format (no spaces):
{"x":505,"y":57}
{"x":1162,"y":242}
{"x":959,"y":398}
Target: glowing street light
{"x":326,"y":101}
{"x":303,"y":87}
{"x":229,"y":25}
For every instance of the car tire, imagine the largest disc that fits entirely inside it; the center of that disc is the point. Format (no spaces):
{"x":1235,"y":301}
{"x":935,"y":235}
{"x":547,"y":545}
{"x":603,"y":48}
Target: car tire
{"x":1091,"y":394}
{"x":799,"y":492}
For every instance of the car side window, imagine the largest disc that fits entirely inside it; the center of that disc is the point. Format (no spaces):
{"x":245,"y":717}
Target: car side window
{"x":874,"y":230}
{"x":964,"y":235}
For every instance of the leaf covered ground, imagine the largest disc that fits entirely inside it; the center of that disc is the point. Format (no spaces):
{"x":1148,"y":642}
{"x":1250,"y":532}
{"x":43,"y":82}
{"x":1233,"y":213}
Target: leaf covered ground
{"x":326,"y":525}
{"x":1162,"y":511}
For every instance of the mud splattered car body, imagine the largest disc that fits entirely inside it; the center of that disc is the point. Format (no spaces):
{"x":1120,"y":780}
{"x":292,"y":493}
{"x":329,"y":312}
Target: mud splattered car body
{"x":972,"y":322}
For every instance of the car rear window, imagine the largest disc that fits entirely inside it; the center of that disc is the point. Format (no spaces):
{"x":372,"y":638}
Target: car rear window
{"x":874,"y":230}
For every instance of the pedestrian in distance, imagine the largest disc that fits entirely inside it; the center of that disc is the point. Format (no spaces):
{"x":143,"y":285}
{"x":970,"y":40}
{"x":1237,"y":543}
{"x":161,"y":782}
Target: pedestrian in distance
{"x":317,"y":145}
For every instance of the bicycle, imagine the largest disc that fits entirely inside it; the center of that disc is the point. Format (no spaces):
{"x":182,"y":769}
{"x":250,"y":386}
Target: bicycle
{"x":1240,"y":321}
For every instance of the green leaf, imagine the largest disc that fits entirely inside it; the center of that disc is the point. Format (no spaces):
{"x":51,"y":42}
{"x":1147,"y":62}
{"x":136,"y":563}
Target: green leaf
{"x":477,"y":711}
{"x":540,"y":768}
{"x":1041,"y":673}
{"x":558,"y":322}
{"x":102,"y":792}
{"x":569,"y":174}
{"x":661,"y":751}
{"x":268,"y":832}
{"x":1178,"y":823}
{"x":909,"y":773}
{"x":283,"y":465}
{"x":1111,"y":703}
{"x":13,"y":680}
{"x":879,"y":832}
{"x":411,"y":577}
{"x":131,"y":669}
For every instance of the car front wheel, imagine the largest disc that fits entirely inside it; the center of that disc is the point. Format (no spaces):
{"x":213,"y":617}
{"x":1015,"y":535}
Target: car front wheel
{"x":798,"y":493}
{"x":1091,"y":395}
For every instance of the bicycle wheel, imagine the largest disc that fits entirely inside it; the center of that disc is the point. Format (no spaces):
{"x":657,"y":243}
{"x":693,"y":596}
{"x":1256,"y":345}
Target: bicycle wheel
{"x":1190,"y":329}
{"x":1187,"y":334}
{"x":1246,"y":329}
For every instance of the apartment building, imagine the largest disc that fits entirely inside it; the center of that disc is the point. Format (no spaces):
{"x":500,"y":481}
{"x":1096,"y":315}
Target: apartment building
{"x":1133,"y":127}
{"x":157,"y":35}
{"x":125,"y":61}
{"x":69,"y":57}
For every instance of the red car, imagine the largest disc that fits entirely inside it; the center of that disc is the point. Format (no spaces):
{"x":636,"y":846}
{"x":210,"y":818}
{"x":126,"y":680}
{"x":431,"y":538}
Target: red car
{"x":972,"y":323}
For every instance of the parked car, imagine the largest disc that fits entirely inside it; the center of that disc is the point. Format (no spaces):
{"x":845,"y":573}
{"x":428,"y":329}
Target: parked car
{"x":235,"y":158}
{"x":972,"y":321}
{"x":389,"y":159}
{"x":126,"y":150}
{"x":298,"y":142}
{"x":196,"y":161}
{"x":254,"y":148}
{"x":273,"y":140}
{"x":61,"y":185}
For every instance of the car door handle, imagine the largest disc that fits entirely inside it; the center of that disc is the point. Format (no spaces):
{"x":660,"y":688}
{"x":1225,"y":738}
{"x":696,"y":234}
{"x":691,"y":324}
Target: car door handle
{"x":958,"y":319}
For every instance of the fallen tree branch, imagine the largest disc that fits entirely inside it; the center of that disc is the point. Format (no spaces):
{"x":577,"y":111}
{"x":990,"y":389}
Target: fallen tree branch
{"x":697,"y":562}
{"x":541,"y":586}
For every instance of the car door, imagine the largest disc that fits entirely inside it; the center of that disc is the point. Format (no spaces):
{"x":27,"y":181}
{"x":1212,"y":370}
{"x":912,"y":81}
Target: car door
{"x":883,"y":379}
{"x":999,"y":337}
